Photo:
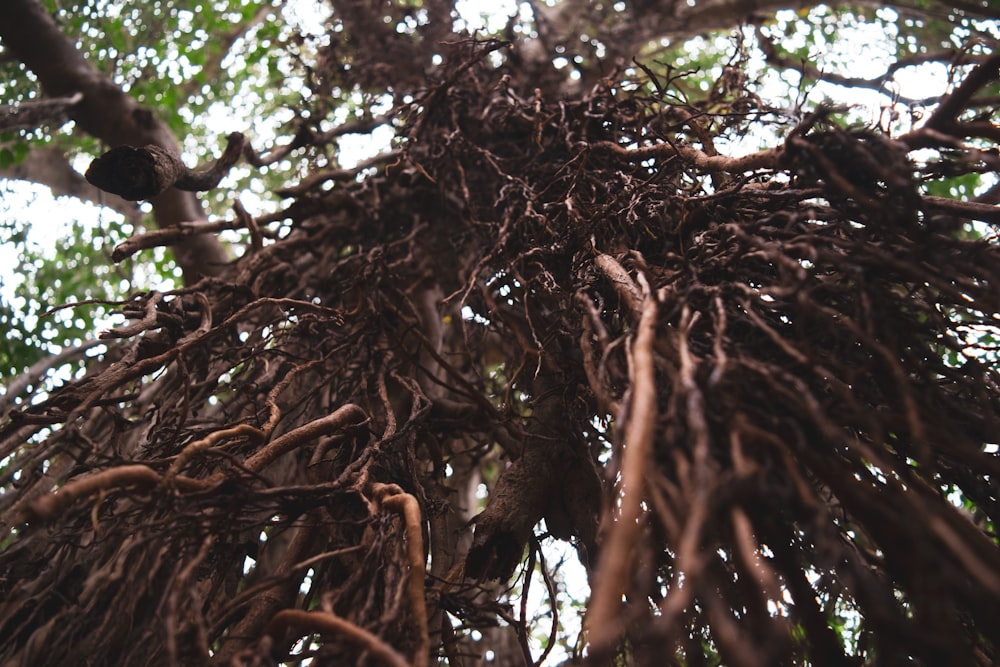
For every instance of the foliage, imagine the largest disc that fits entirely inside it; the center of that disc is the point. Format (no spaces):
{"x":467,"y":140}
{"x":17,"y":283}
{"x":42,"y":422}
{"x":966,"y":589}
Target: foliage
{"x":72,"y":268}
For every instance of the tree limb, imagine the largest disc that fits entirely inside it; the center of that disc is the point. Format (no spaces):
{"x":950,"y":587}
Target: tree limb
{"x":306,"y":622}
{"x":33,"y":113}
{"x":38,"y":370}
{"x":144,"y":173}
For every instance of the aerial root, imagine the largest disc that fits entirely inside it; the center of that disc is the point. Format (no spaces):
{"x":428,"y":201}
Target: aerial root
{"x":604,"y":618}
{"x":123,"y":477}
{"x":392,"y":497}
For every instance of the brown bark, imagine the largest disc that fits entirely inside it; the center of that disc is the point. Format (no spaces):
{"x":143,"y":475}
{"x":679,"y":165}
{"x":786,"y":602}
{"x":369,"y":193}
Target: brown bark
{"x":147,"y":172}
{"x":107,"y":113}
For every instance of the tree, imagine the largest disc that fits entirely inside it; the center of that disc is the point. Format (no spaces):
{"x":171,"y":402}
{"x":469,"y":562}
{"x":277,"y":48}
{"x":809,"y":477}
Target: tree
{"x":757,"y":391}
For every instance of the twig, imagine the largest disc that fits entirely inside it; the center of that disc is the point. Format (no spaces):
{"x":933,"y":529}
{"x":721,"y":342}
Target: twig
{"x":135,"y":328}
{"x":248,"y":221}
{"x":550,"y":587}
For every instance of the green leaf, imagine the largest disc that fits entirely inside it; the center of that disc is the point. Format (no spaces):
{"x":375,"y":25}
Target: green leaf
{"x":21,"y":150}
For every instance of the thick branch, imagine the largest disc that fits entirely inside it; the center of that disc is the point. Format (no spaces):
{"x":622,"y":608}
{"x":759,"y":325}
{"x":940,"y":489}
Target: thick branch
{"x":34,"y":113}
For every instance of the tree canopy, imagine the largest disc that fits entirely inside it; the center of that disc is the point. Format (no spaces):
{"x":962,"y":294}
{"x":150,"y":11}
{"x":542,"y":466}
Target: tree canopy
{"x":639,"y":277}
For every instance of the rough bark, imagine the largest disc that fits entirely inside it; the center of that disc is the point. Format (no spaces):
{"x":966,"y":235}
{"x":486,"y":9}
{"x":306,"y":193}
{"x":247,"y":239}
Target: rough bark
{"x":146,"y":172}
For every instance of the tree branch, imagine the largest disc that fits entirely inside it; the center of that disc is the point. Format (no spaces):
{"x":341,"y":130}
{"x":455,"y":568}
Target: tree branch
{"x":34,"y":113}
{"x":878,"y":83}
{"x":39,"y":369}
{"x":307,"y":622}
{"x":144,"y":173}
{"x":958,"y":100}
{"x":162,"y":237}
{"x":965,"y":209}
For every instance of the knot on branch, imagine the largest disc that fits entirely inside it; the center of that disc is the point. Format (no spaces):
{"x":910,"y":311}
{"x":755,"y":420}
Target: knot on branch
{"x":135,"y":173}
